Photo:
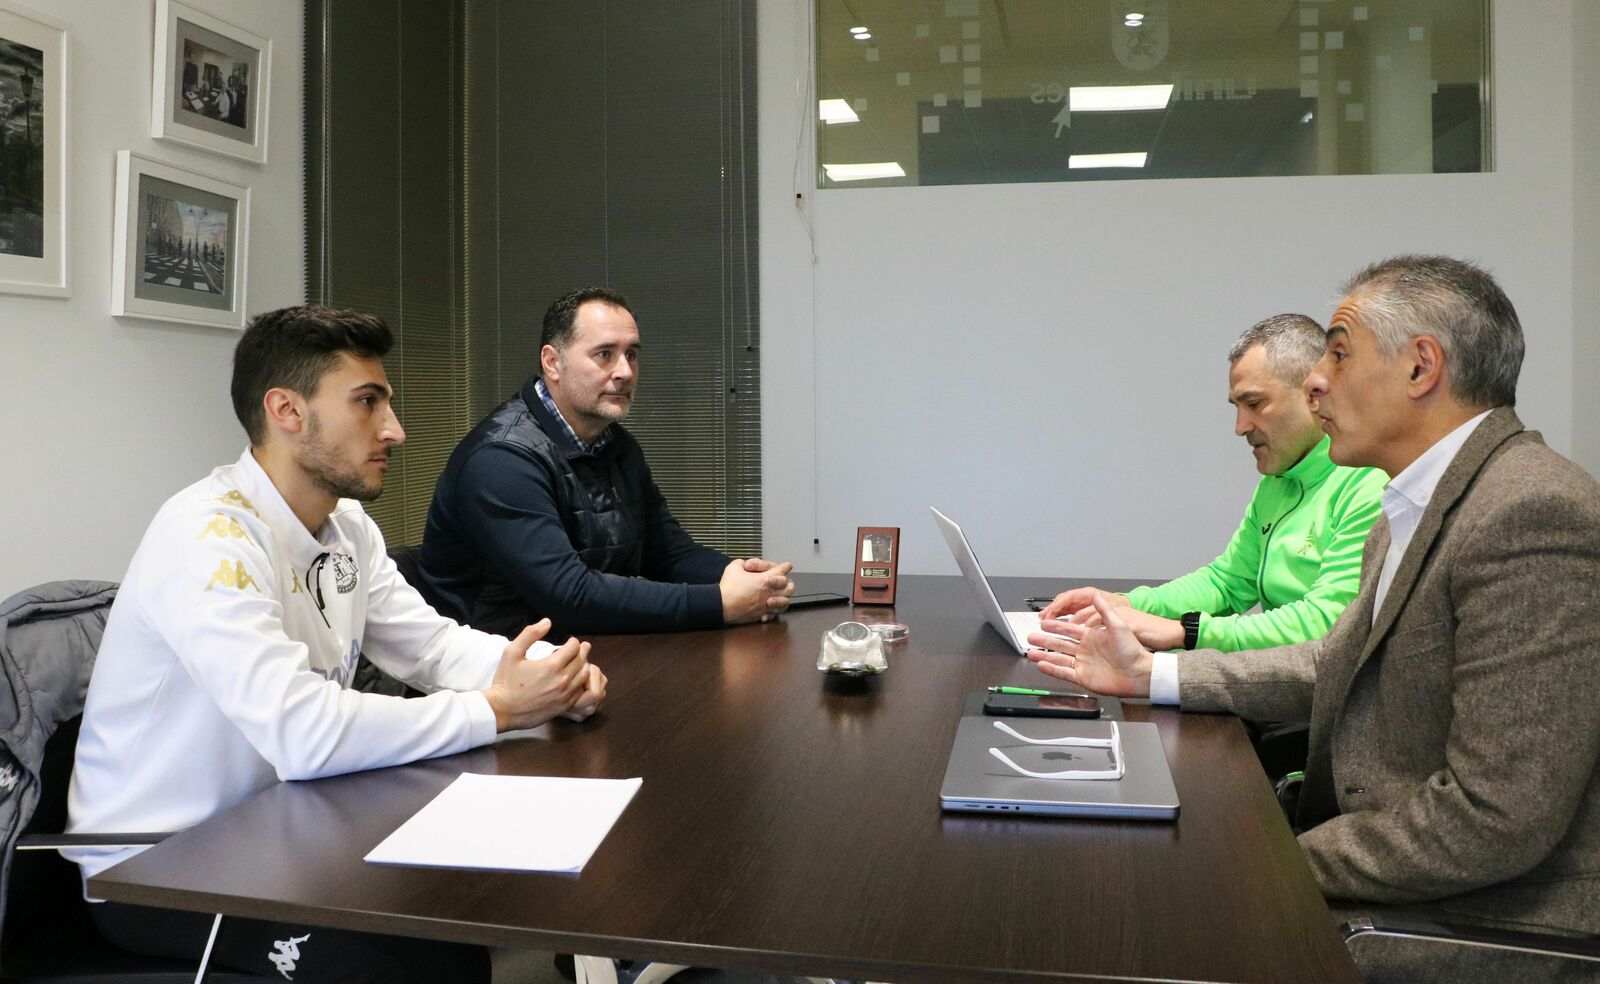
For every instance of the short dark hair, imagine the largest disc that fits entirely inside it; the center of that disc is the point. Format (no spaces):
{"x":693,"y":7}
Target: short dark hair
{"x":292,"y":348}
{"x":559,"y":319}
{"x":1294,"y":344}
{"x":1461,"y":306}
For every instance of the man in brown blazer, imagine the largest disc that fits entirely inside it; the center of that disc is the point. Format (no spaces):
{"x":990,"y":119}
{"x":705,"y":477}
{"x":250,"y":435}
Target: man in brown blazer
{"x":1454,"y":707}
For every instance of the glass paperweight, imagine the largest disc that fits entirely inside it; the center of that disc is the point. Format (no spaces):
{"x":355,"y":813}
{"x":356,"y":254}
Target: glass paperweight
{"x":852,"y":649}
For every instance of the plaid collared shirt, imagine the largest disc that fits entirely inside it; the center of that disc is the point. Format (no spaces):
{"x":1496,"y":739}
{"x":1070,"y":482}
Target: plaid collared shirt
{"x":572,"y":435}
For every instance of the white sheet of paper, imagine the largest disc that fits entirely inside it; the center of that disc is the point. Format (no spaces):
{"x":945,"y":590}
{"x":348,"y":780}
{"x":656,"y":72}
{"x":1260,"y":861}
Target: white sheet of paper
{"x":510,"y":823}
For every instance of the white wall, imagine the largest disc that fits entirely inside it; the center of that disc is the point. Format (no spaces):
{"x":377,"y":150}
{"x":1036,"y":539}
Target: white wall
{"x":102,"y":418}
{"x":1046,"y":362}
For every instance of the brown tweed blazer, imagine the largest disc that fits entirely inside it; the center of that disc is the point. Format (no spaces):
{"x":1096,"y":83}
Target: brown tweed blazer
{"x":1454,"y":741}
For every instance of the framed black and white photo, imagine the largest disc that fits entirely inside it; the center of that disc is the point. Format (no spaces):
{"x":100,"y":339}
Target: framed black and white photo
{"x":210,"y":87}
{"x":33,"y":152}
{"x":180,"y":245}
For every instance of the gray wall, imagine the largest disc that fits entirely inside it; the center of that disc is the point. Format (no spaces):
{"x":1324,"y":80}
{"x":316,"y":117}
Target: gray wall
{"x":104,"y":418}
{"x":1046,"y":362}
{"x":1586,"y":235}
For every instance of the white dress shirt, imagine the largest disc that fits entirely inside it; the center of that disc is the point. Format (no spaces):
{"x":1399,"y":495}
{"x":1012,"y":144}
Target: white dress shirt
{"x":1404,"y":499}
{"x":1407,"y":495}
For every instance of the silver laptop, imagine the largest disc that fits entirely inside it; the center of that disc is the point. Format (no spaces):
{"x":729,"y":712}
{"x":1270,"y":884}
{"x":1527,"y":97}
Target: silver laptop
{"x":977,"y":781}
{"x":1014,"y":627}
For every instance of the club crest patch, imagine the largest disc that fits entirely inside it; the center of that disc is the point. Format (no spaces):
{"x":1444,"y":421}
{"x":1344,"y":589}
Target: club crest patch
{"x":345,"y":572}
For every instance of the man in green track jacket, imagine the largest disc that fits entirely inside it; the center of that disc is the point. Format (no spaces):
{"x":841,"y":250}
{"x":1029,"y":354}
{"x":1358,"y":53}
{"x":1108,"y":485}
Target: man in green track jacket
{"x":1297,"y":553}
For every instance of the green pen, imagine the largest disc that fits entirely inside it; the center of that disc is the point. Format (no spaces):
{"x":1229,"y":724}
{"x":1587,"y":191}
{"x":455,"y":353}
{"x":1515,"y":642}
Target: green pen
{"x":1029,"y":692}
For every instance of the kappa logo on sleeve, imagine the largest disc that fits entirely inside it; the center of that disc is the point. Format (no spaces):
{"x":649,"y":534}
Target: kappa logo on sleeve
{"x":232,"y":575}
{"x":223,"y":527}
{"x":233,"y":497}
{"x":285,"y":953}
{"x":346,"y":670}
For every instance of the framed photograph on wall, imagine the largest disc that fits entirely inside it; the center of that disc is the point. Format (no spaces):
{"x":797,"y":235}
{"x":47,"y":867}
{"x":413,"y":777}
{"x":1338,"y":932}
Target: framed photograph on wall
{"x":180,"y":245}
{"x":33,"y":152}
{"x":210,"y":85}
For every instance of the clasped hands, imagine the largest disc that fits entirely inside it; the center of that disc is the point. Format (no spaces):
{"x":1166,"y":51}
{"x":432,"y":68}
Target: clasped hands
{"x":527,"y":692}
{"x":755,"y":590}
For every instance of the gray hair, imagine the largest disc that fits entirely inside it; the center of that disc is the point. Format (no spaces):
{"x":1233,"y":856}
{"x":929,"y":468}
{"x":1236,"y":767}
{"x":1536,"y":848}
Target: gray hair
{"x":1294,"y":345}
{"x":1460,"y":306}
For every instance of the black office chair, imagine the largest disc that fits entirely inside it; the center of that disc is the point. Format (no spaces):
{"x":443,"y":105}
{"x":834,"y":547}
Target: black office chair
{"x":1281,"y":747}
{"x":48,"y":937}
{"x":368,"y":678}
{"x":406,"y":559}
{"x":1450,"y":951}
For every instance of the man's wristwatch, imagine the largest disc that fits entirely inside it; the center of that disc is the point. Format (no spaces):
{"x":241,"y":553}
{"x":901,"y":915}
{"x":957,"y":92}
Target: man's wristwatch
{"x":1191,"y":629}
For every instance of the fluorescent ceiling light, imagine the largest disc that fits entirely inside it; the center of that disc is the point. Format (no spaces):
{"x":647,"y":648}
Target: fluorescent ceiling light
{"x":836,"y":111}
{"x":1134,"y":16}
{"x":862,"y":37}
{"x":1119,"y":98}
{"x":863,"y":172}
{"x":1106,"y":160}
{"x":858,"y":30}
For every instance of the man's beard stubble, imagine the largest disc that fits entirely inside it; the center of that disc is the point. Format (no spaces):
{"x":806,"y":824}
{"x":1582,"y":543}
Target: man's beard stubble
{"x":317,"y":462}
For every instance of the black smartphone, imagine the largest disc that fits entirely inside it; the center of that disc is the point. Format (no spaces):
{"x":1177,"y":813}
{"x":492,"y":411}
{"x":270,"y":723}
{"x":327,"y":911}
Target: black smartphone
{"x":817,"y":598}
{"x":1026,"y":705}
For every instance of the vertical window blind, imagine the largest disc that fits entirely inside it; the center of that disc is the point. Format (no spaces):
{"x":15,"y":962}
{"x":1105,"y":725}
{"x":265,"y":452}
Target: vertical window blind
{"x":468,"y":162}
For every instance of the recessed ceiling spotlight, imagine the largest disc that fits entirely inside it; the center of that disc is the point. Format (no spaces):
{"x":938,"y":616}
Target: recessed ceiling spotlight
{"x":1076,"y":161}
{"x":858,"y":30}
{"x":864,"y":172}
{"x":836,"y":111}
{"x":1134,"y":15}
{"x":862,"y":37}
{"x":1118,"y":98}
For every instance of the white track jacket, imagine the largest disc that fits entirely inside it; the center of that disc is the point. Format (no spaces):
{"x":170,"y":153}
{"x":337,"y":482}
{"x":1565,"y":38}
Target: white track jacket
{"x":228,"y":655}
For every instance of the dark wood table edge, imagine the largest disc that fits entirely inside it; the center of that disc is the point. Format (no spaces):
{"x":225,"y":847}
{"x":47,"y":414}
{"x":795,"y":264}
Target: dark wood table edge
{"x":662,"y":951}
{"x":659,"y":951}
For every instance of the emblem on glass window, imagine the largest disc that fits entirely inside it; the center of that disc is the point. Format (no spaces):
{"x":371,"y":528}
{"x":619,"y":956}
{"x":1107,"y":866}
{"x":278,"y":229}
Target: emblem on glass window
{"x":1139,"y":32}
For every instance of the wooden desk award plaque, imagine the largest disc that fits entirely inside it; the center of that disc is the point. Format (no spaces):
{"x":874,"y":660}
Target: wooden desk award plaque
{"x":877,"y":560}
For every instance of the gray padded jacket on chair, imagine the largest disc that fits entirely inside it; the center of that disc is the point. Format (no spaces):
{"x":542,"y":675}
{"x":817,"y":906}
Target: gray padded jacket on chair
{"x":49,"y":635}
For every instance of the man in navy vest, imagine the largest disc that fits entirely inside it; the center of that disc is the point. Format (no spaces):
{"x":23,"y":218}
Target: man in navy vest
{"x":548,"y":506}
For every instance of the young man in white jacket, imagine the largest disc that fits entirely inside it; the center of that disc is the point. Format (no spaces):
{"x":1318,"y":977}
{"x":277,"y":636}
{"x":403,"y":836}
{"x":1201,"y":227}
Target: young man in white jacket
{"x":227,"y":659}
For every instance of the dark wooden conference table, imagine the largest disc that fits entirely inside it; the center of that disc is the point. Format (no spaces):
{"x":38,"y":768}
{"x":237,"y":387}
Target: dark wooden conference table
{"x":790,"y":824}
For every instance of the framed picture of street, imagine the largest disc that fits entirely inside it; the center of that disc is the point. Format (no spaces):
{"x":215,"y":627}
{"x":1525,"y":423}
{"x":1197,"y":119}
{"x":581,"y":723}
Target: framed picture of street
{"x":210,"y":85}
{"x":33,"y":153}
{"x":180,"y":245}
